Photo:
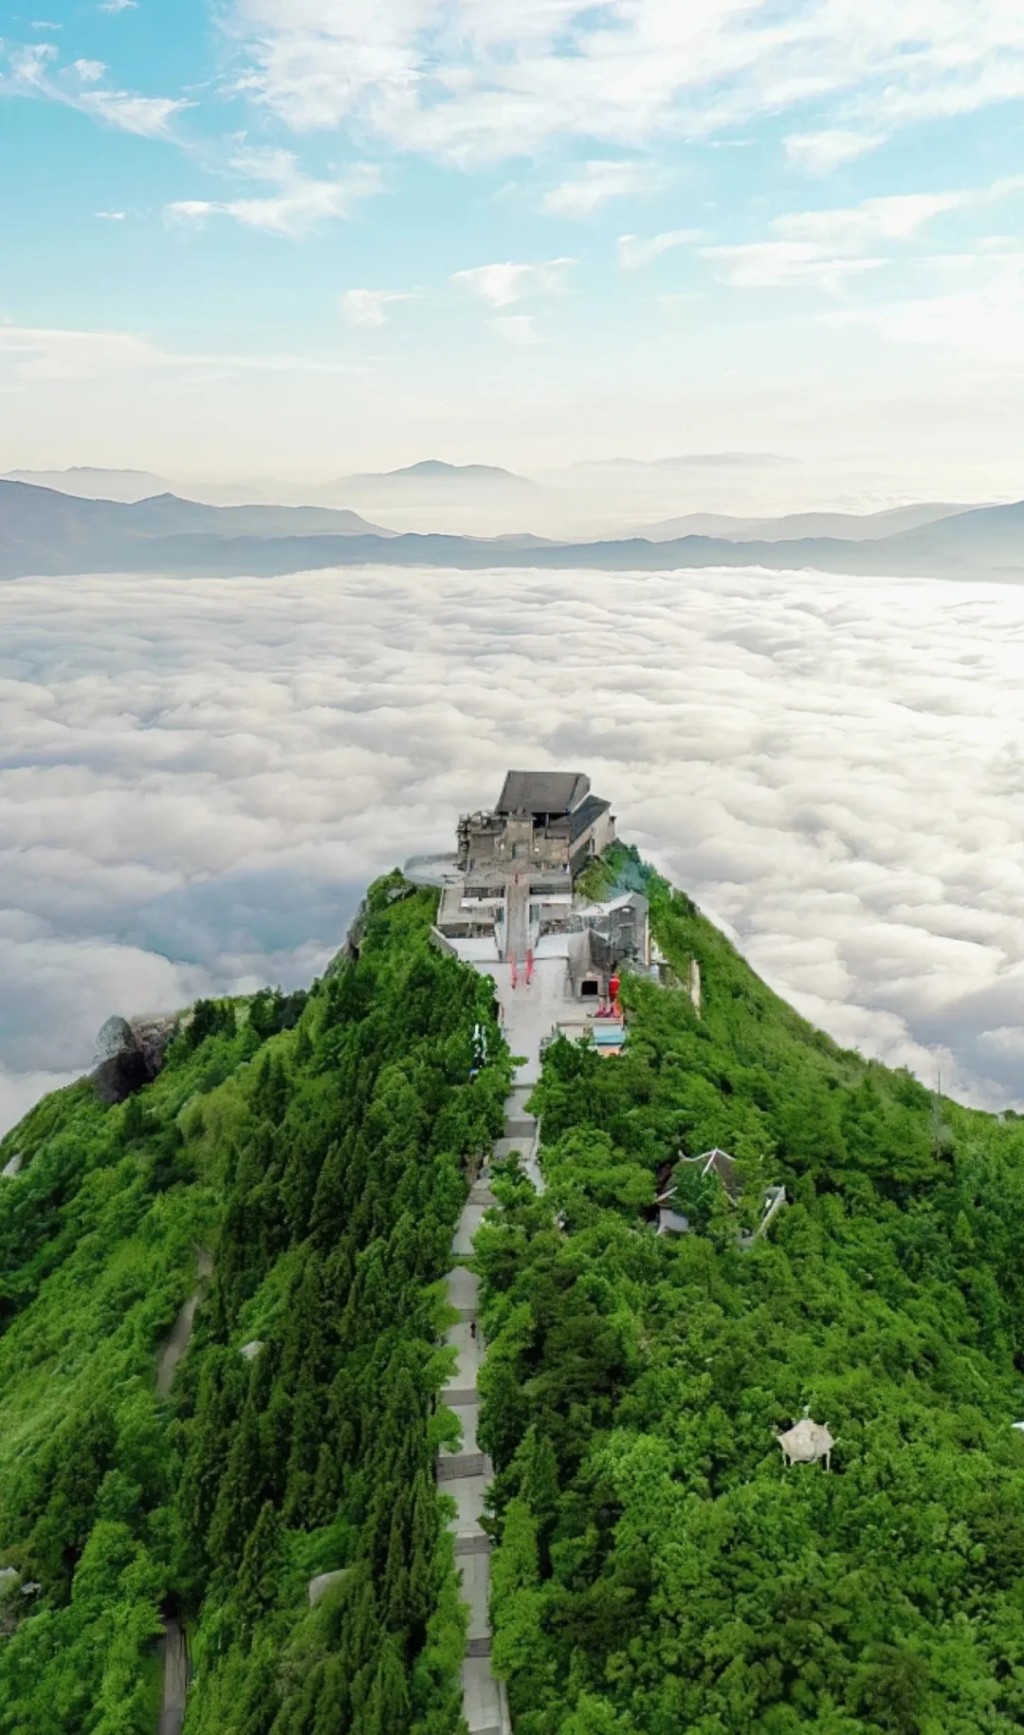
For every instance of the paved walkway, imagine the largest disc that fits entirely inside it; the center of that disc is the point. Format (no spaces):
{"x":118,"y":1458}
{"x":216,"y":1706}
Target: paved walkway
{"x":175,"y":1659}
{"x":528,"y":1013}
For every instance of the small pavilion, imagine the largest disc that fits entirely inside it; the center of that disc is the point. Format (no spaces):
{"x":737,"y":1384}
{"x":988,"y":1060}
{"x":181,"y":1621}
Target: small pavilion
{"x":806,"y":1443}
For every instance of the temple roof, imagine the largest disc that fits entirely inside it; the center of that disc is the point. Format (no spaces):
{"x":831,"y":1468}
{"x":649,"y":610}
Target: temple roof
{"x":551,"y":792}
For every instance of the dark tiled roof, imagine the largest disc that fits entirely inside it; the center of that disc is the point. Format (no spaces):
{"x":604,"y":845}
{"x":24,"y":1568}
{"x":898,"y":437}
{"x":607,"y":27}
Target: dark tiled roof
{"x":542,"y":792}
{"x":585,"y":815}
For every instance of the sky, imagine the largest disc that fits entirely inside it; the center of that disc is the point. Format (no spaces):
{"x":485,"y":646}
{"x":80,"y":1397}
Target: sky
{"x":304,"y":237}
{"x":199,"y":776}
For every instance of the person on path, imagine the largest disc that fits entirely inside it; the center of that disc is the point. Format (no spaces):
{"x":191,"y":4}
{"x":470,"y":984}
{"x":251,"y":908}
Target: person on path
{"x":472,"y":1329}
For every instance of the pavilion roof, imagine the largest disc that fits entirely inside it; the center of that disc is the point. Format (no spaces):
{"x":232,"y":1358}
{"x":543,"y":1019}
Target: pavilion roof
{"x":806,"y":1441}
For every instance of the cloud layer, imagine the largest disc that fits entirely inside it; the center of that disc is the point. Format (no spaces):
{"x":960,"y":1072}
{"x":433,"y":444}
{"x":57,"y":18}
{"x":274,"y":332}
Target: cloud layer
{"x":467,"y":80}
{"x":198,"y":778}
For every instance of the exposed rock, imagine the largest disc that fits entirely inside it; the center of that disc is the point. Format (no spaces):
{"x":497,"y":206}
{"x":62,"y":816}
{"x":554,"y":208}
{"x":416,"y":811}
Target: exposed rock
{"x":249,"y":1351}
{"x":129,"y":1056}
{"x":12,"y":1168}
{"x":318,"y":1587}
{"x":153,"y":1035}
{"x":115,"y":1036}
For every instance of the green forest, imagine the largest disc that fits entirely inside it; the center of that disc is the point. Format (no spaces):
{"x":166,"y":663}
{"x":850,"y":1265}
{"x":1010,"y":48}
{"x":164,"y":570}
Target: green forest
{"x":659,"y":1570}
{"x":309,"y":1152}
{"x":297,"y":1169}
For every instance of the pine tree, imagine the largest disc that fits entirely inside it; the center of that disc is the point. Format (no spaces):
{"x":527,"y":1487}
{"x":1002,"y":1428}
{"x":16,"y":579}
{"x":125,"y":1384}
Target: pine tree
{"x":260,"y":1572}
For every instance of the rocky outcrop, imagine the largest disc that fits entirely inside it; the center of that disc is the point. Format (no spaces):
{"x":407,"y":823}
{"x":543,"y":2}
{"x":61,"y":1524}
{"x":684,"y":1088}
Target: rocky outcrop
{"x":129,"y":1055}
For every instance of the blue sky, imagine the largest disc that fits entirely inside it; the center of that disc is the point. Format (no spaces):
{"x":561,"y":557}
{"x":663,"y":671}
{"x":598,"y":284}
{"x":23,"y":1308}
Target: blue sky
{"x":305,"y":236}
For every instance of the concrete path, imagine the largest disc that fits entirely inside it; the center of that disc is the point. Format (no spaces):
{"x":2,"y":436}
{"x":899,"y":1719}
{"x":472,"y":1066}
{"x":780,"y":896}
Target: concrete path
{"x":175,"y":1653}
{"x":529,"y":1012}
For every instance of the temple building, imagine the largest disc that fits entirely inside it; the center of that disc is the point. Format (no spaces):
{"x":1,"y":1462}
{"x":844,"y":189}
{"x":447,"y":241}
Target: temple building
{"x":545,"y":820}
{"x":511,"y":901}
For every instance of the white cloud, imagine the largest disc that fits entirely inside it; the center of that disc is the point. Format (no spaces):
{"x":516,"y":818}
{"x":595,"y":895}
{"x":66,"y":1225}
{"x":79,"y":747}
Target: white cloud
{"x":821,"y":152}
{"x":982,"y":322}
{"x":503,"y":284}
{"x":897,"y":218}
{"x":111,"y":216}
{"x":119,"y":5}
{"x":40,"y":352}
{"x":298,"y":203}
{"x":778,"y":264}
{"x":470,"y":80}
{"x":595,"y":183}
{"x":825,"y":249}
{"x":517,"y":328}
{"x":369,"y":306}
{"x":48,"y":353}
{"x":634,"y":253}
{"x":33,"y":70}
{"x":198,"y":777}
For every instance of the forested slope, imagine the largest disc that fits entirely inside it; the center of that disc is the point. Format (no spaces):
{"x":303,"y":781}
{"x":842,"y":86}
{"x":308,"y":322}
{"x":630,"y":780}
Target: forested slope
{"x":658,"y":1569}
{"x":313,"y":1148}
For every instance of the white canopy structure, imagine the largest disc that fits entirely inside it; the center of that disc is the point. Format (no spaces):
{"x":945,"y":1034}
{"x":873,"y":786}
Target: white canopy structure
{"x":806,"y":1443}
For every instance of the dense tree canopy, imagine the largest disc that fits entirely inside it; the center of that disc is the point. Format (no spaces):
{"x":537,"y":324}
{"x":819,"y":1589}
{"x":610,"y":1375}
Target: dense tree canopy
{"x":313,"y":1148}
{"x":658,"y":1569}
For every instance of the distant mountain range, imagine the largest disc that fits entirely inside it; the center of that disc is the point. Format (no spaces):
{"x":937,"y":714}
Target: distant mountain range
{"x":89,"y":483}
{"x":430,"y":481}
{"x":47,"y":532}
{"x":847,"y":526}
{"x":435,"y":470}
{"x":685,"y":461}
{"x":44,"y":530}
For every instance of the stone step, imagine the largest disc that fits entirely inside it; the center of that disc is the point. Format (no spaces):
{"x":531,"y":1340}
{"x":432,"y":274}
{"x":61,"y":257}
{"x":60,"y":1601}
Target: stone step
{"x":479,"y":1647}
{"x":460,"y":1397}
{"x":512,"y":1148}
{"x":478,"y":1542}
{"x":466,"y":1315}
{"x":456,"y":1465}
{"x":520,"y":1129}
{"x":482,"y":1196}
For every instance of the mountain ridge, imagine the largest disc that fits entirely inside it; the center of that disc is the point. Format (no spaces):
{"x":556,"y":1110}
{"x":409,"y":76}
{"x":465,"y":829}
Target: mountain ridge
{"x":47,"y":532}
{"x":312,"y":1153}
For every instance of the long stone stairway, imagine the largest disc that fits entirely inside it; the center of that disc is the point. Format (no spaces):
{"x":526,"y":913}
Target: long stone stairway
{"x":465,"y":1475}
{"x":528,"y":1010}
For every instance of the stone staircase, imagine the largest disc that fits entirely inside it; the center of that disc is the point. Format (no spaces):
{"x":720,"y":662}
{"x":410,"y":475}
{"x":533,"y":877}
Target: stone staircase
{"x":466,"y":1473}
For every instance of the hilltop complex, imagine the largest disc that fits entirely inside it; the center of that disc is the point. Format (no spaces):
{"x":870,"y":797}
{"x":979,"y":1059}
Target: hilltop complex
{"x":511,"y":905}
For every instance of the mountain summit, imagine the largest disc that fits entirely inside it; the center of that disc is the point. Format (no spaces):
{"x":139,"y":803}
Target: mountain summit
{"x":273,"y":1327}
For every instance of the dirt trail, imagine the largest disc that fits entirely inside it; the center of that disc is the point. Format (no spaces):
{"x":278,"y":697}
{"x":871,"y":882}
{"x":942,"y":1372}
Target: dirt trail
{"x":178,"y":1339}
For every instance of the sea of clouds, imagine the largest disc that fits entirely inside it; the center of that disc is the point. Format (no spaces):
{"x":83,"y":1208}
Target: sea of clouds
{"x":197,"y":779}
